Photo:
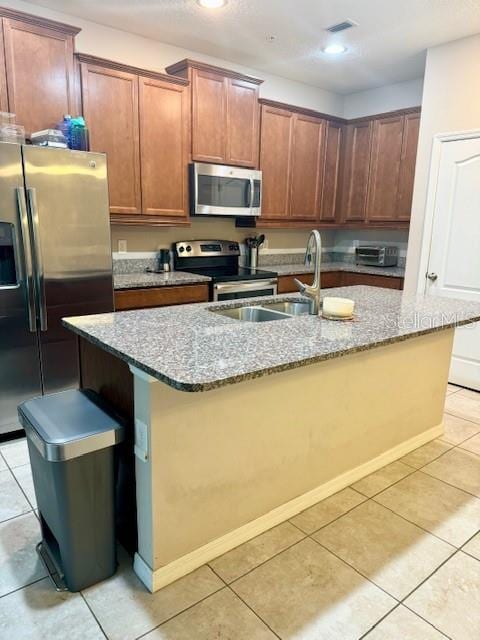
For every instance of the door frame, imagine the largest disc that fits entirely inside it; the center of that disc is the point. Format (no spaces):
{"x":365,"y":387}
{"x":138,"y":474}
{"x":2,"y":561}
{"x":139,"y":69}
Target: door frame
{"x":436,"y":155}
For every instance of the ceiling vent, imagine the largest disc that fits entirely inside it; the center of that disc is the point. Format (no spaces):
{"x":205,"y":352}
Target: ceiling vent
{"x":341,"y":26}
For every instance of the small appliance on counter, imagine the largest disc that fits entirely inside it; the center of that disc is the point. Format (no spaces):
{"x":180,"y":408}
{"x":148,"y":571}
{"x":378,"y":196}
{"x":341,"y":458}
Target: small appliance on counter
{"x":221,"y":190}
{"x":219,"y":260}
{"x":164,"y":264}
{"x":253,"y":245}
{"x":378,"y":256}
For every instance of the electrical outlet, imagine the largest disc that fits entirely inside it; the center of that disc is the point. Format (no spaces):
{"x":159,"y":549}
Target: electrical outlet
{"x":265,"y":244}
{"x":122,"y":246}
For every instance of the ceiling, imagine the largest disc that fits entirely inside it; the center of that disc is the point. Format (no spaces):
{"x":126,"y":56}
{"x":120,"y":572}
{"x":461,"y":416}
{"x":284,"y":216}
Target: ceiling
{"x":387,"y":46}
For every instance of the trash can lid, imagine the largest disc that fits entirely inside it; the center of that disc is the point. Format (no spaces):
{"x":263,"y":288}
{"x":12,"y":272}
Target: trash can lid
{"x":70,"y":424}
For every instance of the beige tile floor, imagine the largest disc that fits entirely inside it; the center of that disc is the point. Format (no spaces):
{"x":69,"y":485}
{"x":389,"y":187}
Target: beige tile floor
{"x":395,"y":557}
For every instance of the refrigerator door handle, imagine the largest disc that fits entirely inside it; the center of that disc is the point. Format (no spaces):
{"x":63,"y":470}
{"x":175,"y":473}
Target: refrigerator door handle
{"x":39,"y":274}
{"x":27,"y":259}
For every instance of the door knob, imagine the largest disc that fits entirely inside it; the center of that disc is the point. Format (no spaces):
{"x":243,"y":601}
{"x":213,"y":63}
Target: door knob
{"x":432,"y":276}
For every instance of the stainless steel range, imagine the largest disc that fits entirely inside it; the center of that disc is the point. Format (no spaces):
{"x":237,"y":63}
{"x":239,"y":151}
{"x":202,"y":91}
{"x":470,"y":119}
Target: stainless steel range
{"x":219,"y":259}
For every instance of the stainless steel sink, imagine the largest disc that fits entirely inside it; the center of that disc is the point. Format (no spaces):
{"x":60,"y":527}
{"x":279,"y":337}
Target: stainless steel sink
{"x":291,"y":307}
{"x":252,"y":314}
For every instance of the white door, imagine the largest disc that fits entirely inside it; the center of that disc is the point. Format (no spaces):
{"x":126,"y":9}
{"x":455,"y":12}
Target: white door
{"x":454,"y":263}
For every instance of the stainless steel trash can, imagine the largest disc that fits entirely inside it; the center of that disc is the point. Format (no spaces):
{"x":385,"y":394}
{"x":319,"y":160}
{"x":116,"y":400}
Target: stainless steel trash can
{"x":71,"y":438}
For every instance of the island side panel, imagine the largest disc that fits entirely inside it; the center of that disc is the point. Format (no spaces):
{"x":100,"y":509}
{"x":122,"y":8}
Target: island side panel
{"x":112,"y":379}
{"x":225,"y":465}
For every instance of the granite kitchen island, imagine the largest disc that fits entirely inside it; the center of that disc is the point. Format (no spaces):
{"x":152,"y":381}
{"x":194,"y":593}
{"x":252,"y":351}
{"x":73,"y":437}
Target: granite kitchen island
{"x":240,"y":425}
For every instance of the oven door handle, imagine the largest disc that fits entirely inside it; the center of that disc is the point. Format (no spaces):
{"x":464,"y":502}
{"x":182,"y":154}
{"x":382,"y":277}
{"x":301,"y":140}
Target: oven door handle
{"x":244,"y":285}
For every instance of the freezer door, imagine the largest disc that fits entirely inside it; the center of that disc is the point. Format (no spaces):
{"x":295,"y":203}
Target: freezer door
{"x":67,"y":197}
{"x":19,"y":360}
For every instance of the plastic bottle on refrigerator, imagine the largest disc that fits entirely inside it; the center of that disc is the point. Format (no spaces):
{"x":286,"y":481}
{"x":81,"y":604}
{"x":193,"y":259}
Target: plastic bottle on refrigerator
{"x":79,"y":134}
{"x":65,"y":126}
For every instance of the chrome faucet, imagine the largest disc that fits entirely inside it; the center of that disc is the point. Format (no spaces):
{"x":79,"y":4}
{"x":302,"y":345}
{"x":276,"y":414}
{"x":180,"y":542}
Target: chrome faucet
{"x":313,"y":291}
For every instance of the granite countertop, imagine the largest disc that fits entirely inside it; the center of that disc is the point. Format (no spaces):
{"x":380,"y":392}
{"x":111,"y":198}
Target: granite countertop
{"x":192,"y":349}
{"x":293,"y":269}
{"x":144,"y":279}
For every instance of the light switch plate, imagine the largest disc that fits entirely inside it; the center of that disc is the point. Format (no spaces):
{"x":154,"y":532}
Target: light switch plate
{"x":141,"y":440}
{"x":122,"y":246}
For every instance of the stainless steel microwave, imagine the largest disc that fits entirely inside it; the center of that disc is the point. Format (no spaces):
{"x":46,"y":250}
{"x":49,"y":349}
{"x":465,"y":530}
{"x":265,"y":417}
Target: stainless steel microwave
{"x":221,"y":190}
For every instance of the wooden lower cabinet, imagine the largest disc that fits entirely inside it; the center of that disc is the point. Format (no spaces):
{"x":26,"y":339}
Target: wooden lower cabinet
{"x":330,"y":279}
{"x":387,"y":282}
{"x":160,"y":296}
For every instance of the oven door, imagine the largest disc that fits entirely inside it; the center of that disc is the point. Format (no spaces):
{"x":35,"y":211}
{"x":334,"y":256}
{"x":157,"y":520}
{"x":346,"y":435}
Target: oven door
{"x":244,"y":289}
{"x":226,"y":191}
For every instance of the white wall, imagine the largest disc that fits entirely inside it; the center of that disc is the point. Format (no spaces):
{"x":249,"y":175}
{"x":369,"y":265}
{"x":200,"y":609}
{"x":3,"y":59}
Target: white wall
{"x":451,"y":103}
{"x":122,"y":46}
{"x":387,"y":98}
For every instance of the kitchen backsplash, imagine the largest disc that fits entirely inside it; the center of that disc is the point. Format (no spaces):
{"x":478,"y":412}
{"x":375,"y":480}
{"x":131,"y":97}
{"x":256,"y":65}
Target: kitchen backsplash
{"x":138,"y":262}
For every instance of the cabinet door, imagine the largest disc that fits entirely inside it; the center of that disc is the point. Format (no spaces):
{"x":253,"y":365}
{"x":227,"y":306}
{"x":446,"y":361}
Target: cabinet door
{"x":384,"y":169}
{"x":209,"y":116}
{"x":407,"y":166}
{"x":275,"y":155}
{"x":331,"y":171}
{"x":356,"y":170}
{"x":3,"y":74}
{"x":110,"y":107}
{"x":242,"y":123}
{"x":40,"y":79}
{"x":164,"y":144}
{"x":307,"y":167}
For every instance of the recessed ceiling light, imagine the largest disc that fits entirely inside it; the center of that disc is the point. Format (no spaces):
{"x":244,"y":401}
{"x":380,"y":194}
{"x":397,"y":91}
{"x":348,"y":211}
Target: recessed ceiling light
{"x":334,"y":49}
{"x":212,"y":4}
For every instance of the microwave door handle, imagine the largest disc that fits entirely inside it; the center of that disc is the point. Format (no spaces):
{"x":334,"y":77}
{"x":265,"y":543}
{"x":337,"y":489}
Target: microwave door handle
{"x":27,"y":259}
{"x":250,"y":194}
{"x":39,"y":272}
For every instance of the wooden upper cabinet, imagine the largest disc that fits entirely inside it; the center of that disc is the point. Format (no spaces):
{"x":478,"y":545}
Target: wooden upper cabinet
{"x":39,"y":69}
{"x":141,"y":120}
{"x":242,"y":123}
{"x":331,"y":171}
{"x":307,"y":167}
{"x":356,"y":171}
{"x":407,"y":165}
{"x":275,"y":161}
{"x":164,"y":144}
{"x":3,"y":76}
{"x":110,"y":107}
{"x":225,"y":113}
{"x":385,"y":168}
{"x":209,"y":113}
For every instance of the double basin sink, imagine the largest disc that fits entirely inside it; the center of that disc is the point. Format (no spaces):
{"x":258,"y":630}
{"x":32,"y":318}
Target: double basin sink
{"x":267,"y":312}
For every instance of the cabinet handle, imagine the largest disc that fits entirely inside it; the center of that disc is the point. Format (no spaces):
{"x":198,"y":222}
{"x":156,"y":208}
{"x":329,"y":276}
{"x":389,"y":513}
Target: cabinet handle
{"x":432,"y":276}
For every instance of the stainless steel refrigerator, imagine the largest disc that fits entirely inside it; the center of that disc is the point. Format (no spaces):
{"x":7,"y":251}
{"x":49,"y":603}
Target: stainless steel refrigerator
{"x":55,"y":261}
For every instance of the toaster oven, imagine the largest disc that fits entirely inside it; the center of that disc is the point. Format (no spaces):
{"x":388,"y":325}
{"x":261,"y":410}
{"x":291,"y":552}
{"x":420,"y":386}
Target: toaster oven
{"x":377,"y":256}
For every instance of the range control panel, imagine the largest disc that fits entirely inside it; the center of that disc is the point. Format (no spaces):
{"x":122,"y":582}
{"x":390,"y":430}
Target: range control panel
{"x":206,"y":248}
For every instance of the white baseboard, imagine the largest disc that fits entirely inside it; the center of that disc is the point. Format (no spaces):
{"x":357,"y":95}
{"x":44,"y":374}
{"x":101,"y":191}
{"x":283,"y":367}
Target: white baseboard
{"x":155,"y":580}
